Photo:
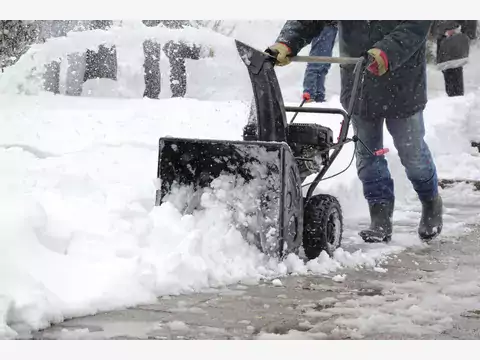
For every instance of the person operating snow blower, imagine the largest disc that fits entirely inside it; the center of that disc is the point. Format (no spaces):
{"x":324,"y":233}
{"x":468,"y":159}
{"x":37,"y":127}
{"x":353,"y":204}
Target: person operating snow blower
{"x":393,"y":91}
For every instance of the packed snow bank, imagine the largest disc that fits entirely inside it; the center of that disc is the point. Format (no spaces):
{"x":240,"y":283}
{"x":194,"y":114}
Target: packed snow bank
{"x":26,"y":75}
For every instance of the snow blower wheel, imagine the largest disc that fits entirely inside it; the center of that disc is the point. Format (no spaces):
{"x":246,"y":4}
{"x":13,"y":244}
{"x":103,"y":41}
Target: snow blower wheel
{"x":323,"y":226}
{"x":275,"y":157}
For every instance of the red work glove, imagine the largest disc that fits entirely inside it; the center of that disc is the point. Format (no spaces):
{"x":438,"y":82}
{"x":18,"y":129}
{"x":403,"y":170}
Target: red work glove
{"x":379,"y":62}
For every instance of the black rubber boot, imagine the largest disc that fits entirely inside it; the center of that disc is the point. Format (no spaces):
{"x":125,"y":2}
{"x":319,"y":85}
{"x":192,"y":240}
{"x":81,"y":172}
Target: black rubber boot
{"x":380,"y":230}
{"x":431,"y":222}
{"x":454,"y":82}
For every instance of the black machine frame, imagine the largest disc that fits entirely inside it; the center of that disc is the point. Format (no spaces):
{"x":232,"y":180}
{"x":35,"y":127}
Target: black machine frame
{"x":269,"y":101}
{"x":298,"y":218}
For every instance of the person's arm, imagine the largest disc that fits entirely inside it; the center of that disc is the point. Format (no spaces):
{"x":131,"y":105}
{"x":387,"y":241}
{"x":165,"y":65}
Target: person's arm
{"x":297,"y":34}
{"x":400,"y":44}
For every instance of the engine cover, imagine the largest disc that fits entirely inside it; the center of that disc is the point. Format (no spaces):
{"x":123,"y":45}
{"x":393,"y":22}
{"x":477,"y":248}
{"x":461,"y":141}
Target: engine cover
{"x":307,"y":142}
{"x":310,"y":134}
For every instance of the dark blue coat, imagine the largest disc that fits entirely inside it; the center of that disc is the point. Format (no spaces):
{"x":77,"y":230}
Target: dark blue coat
{"x":399,"y":93}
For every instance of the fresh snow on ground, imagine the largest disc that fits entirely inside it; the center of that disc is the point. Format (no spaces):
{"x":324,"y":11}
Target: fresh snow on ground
{"x":80,"y":233}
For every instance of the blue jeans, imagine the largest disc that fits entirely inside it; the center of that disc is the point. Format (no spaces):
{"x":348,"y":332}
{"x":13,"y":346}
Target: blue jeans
{"x":408,"y":137}
{"x":315,"y":74}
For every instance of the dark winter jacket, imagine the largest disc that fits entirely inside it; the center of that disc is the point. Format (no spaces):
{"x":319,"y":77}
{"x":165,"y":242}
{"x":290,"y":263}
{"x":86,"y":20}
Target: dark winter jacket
{"x":453,"y":51}
{"x":468,"y":27}
{"x":399,"y":93}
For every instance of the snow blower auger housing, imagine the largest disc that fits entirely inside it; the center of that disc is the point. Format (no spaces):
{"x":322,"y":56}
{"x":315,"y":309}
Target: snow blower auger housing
{"x":273,"y":160}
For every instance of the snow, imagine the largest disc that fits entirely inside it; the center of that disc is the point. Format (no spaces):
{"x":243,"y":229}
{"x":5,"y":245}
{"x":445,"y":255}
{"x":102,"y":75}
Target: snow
{"x":413,"y":308}
{"x":277,"y":282}
{"x":80,"y":232}
{"x":292,"y":335}
{"x":339,"y":277}
{"x":177,"y":325}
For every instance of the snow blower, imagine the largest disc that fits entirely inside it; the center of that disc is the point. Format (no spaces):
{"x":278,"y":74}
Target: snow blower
{"x":281,"y":154}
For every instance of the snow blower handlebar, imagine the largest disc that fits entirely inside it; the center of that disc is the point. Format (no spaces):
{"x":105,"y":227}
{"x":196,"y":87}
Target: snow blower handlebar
{"x":322,"y":60}
{"x":358,"y":73}
{"x":359,"y":63}
{"x":269,"y":120}
{"x":326,"y":59}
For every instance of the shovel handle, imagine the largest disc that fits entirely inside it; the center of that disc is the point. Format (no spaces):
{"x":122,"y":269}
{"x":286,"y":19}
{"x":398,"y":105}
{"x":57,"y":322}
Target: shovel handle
{"x":326,"y":59}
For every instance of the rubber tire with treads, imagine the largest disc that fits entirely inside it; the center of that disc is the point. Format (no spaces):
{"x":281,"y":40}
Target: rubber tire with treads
{"x":318,"y":225}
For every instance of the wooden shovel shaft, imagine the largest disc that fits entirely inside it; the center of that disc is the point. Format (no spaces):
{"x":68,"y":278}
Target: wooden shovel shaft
{"x":326,"y":59}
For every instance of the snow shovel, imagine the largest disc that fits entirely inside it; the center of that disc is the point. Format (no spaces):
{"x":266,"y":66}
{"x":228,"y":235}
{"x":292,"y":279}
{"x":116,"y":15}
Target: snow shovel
{"x":272,"y":160}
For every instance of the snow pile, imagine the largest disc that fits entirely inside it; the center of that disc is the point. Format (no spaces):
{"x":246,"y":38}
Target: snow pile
{"x":221,"y":73}
{"x":450,"y":122}
{"x":80,"y":232}
{"x":26,"y":75}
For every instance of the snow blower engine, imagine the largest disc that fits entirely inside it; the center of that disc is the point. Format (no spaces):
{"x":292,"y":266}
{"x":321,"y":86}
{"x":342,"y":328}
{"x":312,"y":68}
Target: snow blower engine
{"x":271,"y":163}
